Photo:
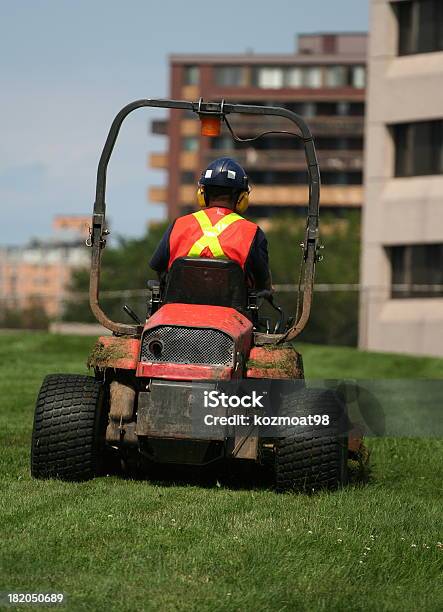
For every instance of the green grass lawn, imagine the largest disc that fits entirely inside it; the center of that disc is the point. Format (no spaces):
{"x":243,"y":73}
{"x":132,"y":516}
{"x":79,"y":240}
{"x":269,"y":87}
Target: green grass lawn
{"x":115,"y":544}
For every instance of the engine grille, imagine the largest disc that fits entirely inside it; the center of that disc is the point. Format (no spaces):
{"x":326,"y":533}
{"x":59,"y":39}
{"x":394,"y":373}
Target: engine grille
{"x":191,"y":345}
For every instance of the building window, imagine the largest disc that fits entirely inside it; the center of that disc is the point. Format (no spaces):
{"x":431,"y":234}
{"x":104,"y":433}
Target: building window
{"x":221,"y":142}
{"x":420,"y":26}
{"x":326,"y":109}
{"x":358,"y":77}
{"x":187,"y":177}
{"x":343,"y":108}
{"x":336,"y":76}
{"x":190,"y":143}
{"x":190,"y":75}
{"x":416,"y":270}
{"x":277,"y":177}
{"x":309,"y":109}
{"x":332,"y":177}
{"x":418,"y":148}
{"x":344,"y":76}
{"x":230,"y":76}
{"x":357,"y":109}
{"x":312,"y":77}
{"x":294,"y":77}
{"x":270,"y":78}
{"x":295,"y":107}
{"x":276,"y":77}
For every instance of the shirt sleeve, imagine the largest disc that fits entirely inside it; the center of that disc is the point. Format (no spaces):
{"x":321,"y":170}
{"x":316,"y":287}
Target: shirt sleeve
{"x":257,"y":264}
{"x":160,"y":259}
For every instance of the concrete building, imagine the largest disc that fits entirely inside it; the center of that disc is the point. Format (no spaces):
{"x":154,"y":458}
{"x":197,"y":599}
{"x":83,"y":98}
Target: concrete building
{"x":39,"y":273}
{"x":324,"y":81}
{"x":402,"y":261}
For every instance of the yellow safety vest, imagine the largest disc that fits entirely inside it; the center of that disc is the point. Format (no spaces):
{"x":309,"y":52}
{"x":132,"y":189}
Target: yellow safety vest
{"x":211,"y":234}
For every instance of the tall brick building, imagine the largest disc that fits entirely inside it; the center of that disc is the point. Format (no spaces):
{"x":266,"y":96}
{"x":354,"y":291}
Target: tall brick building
{"x":324,"y":81}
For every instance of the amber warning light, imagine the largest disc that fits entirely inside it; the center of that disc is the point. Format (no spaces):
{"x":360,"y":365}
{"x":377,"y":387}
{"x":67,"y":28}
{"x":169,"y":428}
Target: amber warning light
{"x":211,"y":126}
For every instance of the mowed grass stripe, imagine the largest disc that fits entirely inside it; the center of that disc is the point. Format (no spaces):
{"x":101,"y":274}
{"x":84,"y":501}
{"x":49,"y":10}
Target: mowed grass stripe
{"x":126,"y":544}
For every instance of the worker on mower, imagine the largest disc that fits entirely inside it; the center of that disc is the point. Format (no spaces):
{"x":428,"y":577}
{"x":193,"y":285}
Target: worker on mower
{"x":218,"y":229}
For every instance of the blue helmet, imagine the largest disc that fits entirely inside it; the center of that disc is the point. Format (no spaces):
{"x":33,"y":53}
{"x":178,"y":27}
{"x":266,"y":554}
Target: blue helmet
{"x":225,"y":172}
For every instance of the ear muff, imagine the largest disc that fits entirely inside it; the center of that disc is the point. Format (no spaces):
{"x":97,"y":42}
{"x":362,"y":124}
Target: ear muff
{"x":201,"y":199}
{"x":242,"y":202}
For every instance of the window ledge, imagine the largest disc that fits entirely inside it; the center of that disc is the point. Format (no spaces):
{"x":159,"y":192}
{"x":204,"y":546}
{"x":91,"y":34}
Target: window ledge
{"x":420,"y":64}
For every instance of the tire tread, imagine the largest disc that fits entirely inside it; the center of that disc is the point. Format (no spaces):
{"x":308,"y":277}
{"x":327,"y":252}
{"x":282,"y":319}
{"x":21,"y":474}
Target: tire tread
{"x":66,"y":427}
{"x":310,"y":458}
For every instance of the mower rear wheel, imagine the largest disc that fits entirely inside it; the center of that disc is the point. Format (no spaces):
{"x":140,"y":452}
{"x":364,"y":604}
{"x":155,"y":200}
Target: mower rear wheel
{"x":68,"y":434}
{"x":312,"y":457}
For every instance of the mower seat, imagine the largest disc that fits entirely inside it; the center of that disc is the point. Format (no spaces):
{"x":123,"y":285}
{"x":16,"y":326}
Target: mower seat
{"x":214,"y":282}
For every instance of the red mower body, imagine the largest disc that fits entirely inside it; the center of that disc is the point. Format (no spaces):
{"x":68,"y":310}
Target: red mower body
{"x":229,"y":328}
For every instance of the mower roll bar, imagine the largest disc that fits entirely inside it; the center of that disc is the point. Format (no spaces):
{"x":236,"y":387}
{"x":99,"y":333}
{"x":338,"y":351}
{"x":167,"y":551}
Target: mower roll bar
{"x":99,"y":231}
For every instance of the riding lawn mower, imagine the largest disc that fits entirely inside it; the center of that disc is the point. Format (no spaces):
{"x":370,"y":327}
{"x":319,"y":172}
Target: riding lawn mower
{"x":202,"y":335}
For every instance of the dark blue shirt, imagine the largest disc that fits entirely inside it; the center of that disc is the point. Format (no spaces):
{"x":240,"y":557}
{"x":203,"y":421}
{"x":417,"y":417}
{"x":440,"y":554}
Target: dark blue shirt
{"x":256,"y":267}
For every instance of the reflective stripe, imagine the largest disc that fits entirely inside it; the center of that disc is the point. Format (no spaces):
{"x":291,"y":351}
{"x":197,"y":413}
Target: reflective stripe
{"x":211,"y":234}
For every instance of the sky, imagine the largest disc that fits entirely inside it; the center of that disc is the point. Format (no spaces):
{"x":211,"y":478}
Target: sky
{"x":68,"y":66}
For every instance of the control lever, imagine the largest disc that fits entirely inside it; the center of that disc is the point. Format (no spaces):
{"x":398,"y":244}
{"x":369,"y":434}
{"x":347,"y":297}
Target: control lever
{"x":268,"y":295}
{"x":132,"y":314}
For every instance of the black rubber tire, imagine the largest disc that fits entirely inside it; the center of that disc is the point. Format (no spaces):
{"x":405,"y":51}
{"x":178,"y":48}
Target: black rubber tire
{"x":309,"y":458}
{"x":68,"y":436}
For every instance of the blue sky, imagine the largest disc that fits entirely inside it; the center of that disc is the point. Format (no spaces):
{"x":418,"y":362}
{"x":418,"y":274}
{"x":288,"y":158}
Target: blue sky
{"x":66,"y":68}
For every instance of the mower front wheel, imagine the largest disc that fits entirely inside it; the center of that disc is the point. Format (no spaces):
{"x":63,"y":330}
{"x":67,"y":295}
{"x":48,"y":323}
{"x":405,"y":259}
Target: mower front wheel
{"x":68,"y":434}
{"x":312,"y":457}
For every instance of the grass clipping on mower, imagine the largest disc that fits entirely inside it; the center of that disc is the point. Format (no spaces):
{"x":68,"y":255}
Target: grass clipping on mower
{"x":279,"y":358}
{"x":102,"y":356}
